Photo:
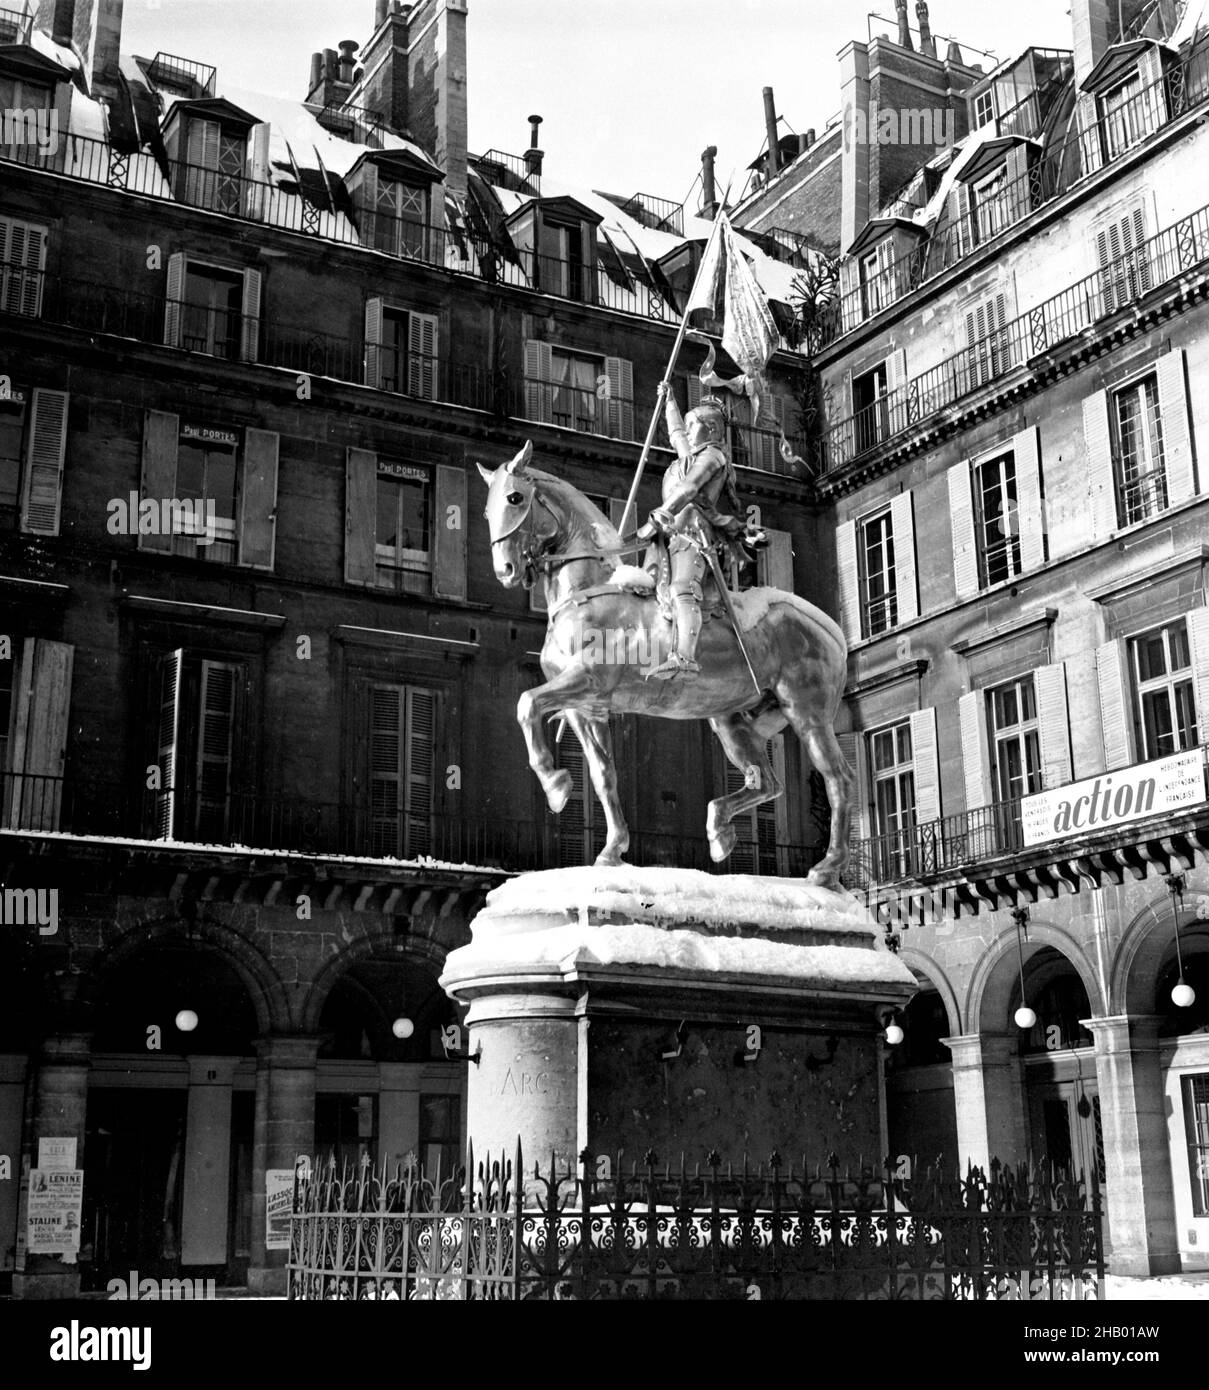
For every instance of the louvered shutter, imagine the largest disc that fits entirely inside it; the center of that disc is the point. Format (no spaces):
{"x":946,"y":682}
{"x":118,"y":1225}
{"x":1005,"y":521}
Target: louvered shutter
{"x":1125,"y":272}
{"x":422,"y":356}
{"x":449,"y":529}
{"x":961,"y":239}
{"x":161,"y":436}
{"x":758,"y":828}
{"x":1018,"y":196}
{"x":926,"y":766}
{"x":22,"y":267}
{"x":975,"y":753}
{"x":1091,"y":151}
{"x":1116,"y":717}
{"x":215,"y":748}
{"x":367,"y":203}
{"x":1198,"y":645}
{"x":1026,"y":453}
{"x":620,"y":374}
{"x":38,"y":746}
{"x":387,"y":733}
{"x":257,"y":191}
{"x":539,"y":389}
{"x":581,"y":835}
{"x":360,"y":517}
{"x":1177,"y":437}
{"x":961,"y":515}
{"x":168,"y":734}
{"x":1101,"y":484}
{"x":902,"y":521}
{"x":775,"y":564}
{"x":418,"y":772}
{"x":849,"y":580}
{"x":695,"y":390}
{"x":174,"y":298}
{"x":249,"y":323}
{"x":202,"y":147}
{"x":42,"y":495}
{"x":373,"y":343}
{"x":1053,"y":724}
{"x":853,"y":748}
{"x":258,"y":499}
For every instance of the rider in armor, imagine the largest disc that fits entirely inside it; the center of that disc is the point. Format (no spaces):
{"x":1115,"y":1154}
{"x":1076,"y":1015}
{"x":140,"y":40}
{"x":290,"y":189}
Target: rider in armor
{"x":689,"y":518}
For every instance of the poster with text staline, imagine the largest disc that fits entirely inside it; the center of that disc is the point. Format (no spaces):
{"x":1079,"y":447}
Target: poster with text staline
{"x":53,"y":1214}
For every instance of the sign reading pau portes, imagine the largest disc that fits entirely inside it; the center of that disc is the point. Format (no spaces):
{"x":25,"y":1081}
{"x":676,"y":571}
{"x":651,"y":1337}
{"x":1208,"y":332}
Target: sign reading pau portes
{"x":1114,"y":798}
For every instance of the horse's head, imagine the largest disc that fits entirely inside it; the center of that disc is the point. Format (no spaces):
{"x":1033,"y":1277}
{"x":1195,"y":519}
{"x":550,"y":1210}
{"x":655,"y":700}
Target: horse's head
{"x":520,"y":528}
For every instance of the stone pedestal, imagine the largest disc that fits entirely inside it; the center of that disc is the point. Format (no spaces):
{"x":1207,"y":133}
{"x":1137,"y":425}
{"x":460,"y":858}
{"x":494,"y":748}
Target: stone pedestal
{"x":635,"y":1009}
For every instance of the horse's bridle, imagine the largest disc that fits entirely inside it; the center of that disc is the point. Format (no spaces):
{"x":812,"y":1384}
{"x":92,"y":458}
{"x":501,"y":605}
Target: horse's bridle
{"x":534,"y":559}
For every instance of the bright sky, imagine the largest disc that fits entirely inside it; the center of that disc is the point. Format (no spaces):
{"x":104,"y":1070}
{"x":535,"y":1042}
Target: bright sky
{"x":631,"y":90}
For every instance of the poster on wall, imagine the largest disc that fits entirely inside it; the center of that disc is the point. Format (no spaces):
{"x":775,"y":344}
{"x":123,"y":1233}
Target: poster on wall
{"x":58,"y":1155}
{"x":56,"y":1199}
{"x":279,"y":1199}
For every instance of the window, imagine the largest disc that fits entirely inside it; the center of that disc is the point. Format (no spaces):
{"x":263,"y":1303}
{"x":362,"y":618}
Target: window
{"x":210,"y":314}
{"x":879,"y":584}
{"x":400,"y":770}
{"x":574,"y":401}
{"x":891,"y":766}
{"x":1125,"y":115}
{"x":579,"y":391}
{"x":876,"y":277}
{"x":401,"y":221}
{"x":22,"y":267}
{"x":205,"y":473}
{"x":1138,"y":433}
{"x":408,"y":359}
{"x":1196,"y":1125}
{"x":1015,"y":739}
{"x":1166,"y":705}
{"x":214,"y":167}
{"x":997,"y":519}
{"x":870,"y":407}
{"x":19,"y":95}
{"x":990,"y":204}
{"x":403,"y":543}
{"x":984,"y":108}
{"x":12,"y":432}
{"x":561,"y":267}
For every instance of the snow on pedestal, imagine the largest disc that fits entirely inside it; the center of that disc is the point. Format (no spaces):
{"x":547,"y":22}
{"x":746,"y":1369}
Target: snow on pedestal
{"x":613,"y":1007}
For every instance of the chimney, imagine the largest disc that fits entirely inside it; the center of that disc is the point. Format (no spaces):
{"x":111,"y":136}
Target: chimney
{"x":534,"y":155}
{"x":770,"y":124}
{"x":381,"y":10}
{"x":347,"y":48}
{"x":855,"y":171}
{"x":1093,"y":25}
{"x":927,"y":44}
{"x":94,"y":28}
{"x":709,"y":189}
{"x":904,"y":27}
{"x":953,"y":55}
{"x":316,"y":72}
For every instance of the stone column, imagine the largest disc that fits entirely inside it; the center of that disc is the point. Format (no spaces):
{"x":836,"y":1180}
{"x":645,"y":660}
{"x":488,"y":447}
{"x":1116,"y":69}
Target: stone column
{"x":1140,"y":1199}
{"x":284,"y":1127}
{"x":60,"y":1106}
{"x":988,"y":1099}
{"x":207,"y":1161}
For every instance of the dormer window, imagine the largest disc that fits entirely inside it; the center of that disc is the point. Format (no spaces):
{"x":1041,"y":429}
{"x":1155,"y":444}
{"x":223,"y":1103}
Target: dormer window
{"x":557,"y":241}
{"x":214,"y":167}
{"x":392,"y":191}
{"x":1130,"y":92}
{"x":562,"y":262}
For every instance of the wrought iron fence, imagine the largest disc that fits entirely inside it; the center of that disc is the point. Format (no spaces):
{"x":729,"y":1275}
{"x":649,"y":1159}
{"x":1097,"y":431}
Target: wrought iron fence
{"x":777,"y":1231}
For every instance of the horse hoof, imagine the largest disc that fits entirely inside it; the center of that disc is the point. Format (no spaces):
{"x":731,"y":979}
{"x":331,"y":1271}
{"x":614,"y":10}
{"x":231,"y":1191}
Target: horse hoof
{"x":558,"y":790}
{"x":722,"y":842}
{"x":605,"y":860}
{"x":830,"y":881}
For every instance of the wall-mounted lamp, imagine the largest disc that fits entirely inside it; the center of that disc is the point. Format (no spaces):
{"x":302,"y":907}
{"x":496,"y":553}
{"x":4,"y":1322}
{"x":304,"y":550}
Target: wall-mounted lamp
{"x":669,"y":1053}
{"x":453,"y":1040}
{"x":893,"y":1031}
{"x":1183,"y":996}
{"x":186,"y":1020}
{"x":402,"y":1028}
{"x":1025,"y":1017}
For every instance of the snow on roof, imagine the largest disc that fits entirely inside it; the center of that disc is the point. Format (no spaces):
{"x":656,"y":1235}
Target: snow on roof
{"x":46,"y":46}
{"x":974,"y":142}
{"x":1190,"y":21}
{"x":88,"y":118}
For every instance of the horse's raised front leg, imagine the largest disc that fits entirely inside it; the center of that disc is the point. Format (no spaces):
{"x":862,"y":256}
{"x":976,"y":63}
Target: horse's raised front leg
{"x":748,"y":752}
{"x":597,"y":739}
{"x":532,"y":707}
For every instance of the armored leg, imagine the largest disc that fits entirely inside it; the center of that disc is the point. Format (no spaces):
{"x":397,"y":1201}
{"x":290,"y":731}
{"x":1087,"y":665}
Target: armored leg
{"x":688,"y":568}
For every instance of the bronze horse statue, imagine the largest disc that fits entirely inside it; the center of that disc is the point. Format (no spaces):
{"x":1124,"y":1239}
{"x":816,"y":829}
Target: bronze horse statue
{"x":545,"y":530}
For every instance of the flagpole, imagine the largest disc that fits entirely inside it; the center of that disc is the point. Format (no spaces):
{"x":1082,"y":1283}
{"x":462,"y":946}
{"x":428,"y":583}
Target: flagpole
{"x":667,"y":379}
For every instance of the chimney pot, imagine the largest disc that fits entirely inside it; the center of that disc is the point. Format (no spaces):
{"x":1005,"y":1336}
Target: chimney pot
{"x":904,"y":27}
{"x":927,"y":44}
{"x":770,"y":125}
{"x":331,"y":62}
{"x":709,"y":191}
{"x":316,"y":72}
{"x":954,"y":53}
{"x":534,"y":122}
{"x":381,"y":10}
{"x":534,"y":155}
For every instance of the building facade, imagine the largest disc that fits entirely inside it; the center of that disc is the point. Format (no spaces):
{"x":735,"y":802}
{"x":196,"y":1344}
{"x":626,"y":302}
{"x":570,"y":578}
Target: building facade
{"x":257,"y":679}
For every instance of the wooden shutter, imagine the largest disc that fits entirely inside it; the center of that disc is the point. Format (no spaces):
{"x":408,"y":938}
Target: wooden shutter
{"x":959,"y":214}
{"x":1101,"y":484}
{"x":1198,"y":646}
{"x":422,"y":356}
{"x":902,"y":521}
{"x":539,"y":374}
{"x":776,"y":561}
{"x":695,"y":390}
{"x":373,"y":343}
{"x":258,"y":499}
{"x":1026,"y":451}
{"x":1116,"y":718}
{"x":449,"y":531}
{"x":174,"y":298}
{"x":926,"y":766}
{"x":203,"y":143}
{"x":40,"y":721}
{"x":1124,"y":266}
{"x":418,"y":770}
{"x":1177,"y":436}
{"x":161,"y":442}
{"x":42,"y":494}
{"x":1018,"y":195}
{"x":215,"y":748}
{"x":22,"y":267}
{"x":849,"y":580}
{"x":249,"y":323}
{"x":360,"y":517}
{"x":763,"y":827}
{"x":258,"y":172}
{"x":975,"y":752}
{"x":387,"y":733}
{"x":853,"y":748}
{"x":168,"y":735}
{"x":961,"y":515}
{"x":367,"y":203}
{"x":1053,"y":724}
{"x":620,"y":412}
{"x":580,"y":837}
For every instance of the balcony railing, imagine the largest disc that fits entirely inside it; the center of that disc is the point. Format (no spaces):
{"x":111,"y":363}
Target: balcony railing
{"x":1152,"y":263}
{"x":949,"y":845}
{"x":1111,"y":135}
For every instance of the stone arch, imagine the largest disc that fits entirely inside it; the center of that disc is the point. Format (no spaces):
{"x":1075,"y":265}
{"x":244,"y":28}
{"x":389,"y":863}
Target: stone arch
{"x":919,"y":963}
{"x":421,"y":950}
{"x":1144,"y":944}
{"x":265,"y":988}
{"x":995,"y":974}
